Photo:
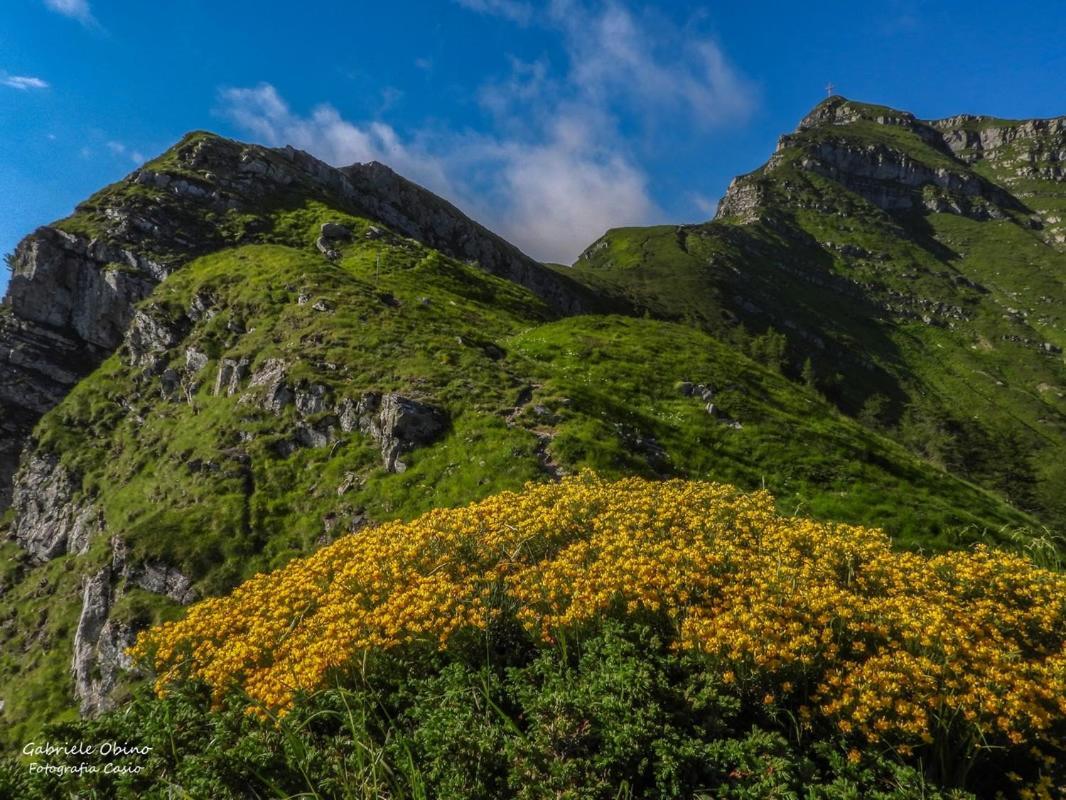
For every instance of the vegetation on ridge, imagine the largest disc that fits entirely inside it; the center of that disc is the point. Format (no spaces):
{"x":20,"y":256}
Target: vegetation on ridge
{"x":940,"y":324}
{"x":896,"y":369}
{"x":821,"y":635}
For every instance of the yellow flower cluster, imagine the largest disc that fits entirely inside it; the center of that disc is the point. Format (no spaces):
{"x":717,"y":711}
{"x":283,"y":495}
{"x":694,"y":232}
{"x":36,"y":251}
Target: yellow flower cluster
{"x":965,"y":648}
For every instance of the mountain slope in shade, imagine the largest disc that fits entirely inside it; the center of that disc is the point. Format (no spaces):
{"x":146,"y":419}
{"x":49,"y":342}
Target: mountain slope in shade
{"x":918,"y":265}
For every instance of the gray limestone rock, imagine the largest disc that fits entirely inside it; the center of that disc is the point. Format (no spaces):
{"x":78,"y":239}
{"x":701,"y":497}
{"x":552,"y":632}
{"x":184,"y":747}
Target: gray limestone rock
{"x":311,"y":399}
{"x":195,"y":360}
{"x":149,"y":336}
{"x":100,"y":645}
{"x":231,"y":372}
{"x":50,"y":519}
{"x":152,"y":576}
{"x":268,"y":384}
{"x":398,"y":424}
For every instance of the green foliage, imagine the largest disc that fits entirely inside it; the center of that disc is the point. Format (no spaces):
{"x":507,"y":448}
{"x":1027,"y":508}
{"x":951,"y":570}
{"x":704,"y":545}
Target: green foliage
{"x":770,"y":349}
{"x":939,"y":311}
{"x":616,"y":713}
{"x":874,"y":412}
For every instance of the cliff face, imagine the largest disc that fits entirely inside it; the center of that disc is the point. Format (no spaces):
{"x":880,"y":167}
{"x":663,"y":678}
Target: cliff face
{"x":67,"y":307}
{"x":964,"y":165}
{"x":75,"y":283}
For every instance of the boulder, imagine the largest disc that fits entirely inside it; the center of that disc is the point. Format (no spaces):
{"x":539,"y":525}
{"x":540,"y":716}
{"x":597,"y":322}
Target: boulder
{"x":269,"y":381}
{"x":398,"y":424}
{"x":335,"y":231}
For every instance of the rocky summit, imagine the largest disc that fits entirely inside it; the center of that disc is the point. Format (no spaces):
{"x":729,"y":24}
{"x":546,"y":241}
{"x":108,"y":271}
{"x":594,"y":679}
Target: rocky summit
{"x":238,"y":354}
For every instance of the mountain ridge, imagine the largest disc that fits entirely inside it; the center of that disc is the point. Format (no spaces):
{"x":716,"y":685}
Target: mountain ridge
{"x":239,"y":353}
{"x":74,"y":284}
{"x":909,"y":262}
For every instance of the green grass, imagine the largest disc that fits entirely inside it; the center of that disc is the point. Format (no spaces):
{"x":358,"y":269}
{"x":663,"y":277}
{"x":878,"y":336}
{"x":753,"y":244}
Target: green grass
{"x":969,"y":446}
{"x":619,"y":376}
{"x":199,"y":485}
{"x":939,"y":312}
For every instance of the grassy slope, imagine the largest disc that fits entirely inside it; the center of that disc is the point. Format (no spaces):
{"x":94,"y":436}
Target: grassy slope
{"x":405,"y":318}
{"x":821,"y":267}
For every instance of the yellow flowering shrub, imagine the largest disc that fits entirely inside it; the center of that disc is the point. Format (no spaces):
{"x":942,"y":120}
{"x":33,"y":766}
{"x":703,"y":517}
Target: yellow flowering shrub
{"x":954,"y":653}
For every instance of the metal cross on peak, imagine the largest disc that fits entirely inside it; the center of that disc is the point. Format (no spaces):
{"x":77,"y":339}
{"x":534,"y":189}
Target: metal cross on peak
{"x":829,"y":87}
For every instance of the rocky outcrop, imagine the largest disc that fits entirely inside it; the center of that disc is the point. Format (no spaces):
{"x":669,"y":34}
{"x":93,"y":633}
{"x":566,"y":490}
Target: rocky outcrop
{"x":71,"y":297}
{"x":1035,"y":148}
{"x":231,"y":372}
{"x":398,"y":424}
{"x":152,"y":576}
{"x":67,"y":307}
{"x":269,"y":388}
{"x":99,"y":646}
{"x":50,"y":519}
{"x":149,"y":336}
{"x":743,"y":201}
{"x":894,"y":179}
{"x":100,"y":640}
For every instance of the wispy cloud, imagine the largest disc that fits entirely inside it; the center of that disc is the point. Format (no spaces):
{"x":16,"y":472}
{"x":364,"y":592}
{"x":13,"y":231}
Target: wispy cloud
{"x":514,"y":10}
{"x":561,"y":159}
{"x":704,"y":204}
{"x":264,"y":113}
{"x":75,"y":9}
{"x":22,"y":82}
{"x":120,"y":149}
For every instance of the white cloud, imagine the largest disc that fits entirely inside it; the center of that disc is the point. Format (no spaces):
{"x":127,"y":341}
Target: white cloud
{"x":120,"y":149}
{"x":262,"y":112}
{"x":706,"y":206}
{"x":75,"y":9}
{"x":649,"y":66}
{"x":558,"y":197}
{"x":22,"y":82}
{"x":514,"y":10}
{"x":560,"y":163}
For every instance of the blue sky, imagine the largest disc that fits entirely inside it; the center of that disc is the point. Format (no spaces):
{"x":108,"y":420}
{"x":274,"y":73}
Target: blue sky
{"x":547,"y":121}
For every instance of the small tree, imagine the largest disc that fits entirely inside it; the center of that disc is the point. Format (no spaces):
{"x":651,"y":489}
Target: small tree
{"x":808,"y":375}
{"x":924,"y":430}
{"x":770,"y":349}
{"x":872,"y":413}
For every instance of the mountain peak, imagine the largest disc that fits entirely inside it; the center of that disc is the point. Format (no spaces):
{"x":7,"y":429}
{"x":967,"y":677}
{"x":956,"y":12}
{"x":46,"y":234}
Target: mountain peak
{"x":75,"y":283}
{"x":839,"y":110}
